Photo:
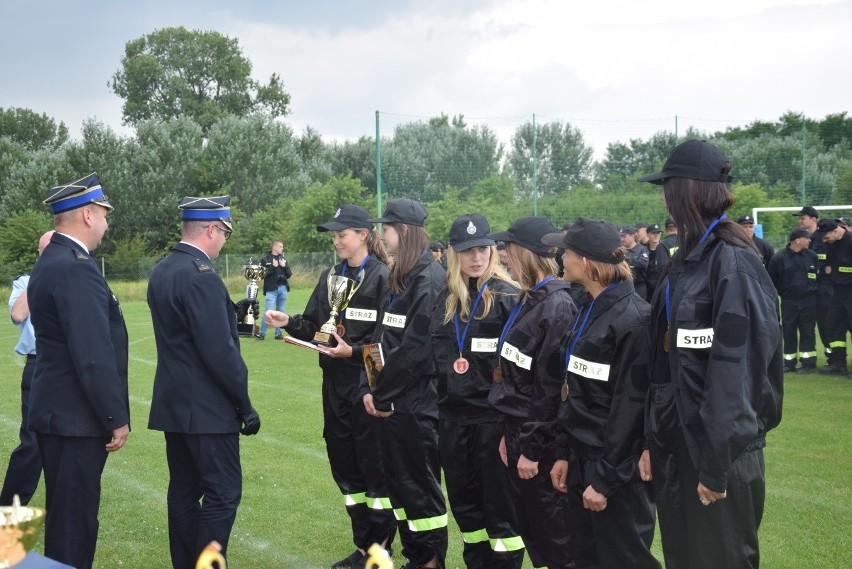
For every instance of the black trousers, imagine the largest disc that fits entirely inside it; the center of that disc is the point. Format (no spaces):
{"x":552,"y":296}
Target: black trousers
{"x":409,"y":440}
{"x":824,"y":295}
{"x":838,"y":322}
{"x":722,"y":535}
{"x":72,"y":480}
{"x":480,"y":494}
{"x":205,"y":487}
{"x":619,"y":536}
{"x":542,"y":512}
{"x":355,"y":457}
{"x":24,"y":468}
{"x":798,"y":319}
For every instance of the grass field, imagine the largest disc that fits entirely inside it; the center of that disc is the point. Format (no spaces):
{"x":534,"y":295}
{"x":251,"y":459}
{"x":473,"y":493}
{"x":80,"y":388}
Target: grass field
{"x":292,"y":514}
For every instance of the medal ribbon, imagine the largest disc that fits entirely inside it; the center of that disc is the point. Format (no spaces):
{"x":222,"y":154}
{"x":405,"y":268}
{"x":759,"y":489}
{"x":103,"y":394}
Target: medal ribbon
{"x":460,"y":339}
{"x":514,"y":316}
{"x":668,"y":283}
{"x":344,"y":265}
{"x":570,"y":349}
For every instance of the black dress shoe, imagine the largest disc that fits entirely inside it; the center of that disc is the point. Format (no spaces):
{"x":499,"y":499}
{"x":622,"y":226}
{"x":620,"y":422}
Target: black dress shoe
{"x":834,"y":369}
{"x":355,"y":559}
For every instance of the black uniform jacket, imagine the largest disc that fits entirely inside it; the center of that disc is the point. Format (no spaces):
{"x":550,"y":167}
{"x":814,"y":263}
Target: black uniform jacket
{"x":359,"y":319}
{"x":464,"y":397}
{"x":531,"y":365}
{"x":794,"y":274}
{"x":821,"y":249}
{"x":766,"y":250}
{"x":840,"y":259}
{"x":80,"y":380}
{"x":607,"y":376}
{"x":201,"y":383}
{"x":275,"y":276}
{"x":725,"y":357}
{"x":403,"y":331}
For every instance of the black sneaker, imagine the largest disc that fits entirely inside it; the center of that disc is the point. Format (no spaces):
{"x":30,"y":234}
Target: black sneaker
{"x":355,"y":559}
{"x":259,"y":337}
{"x":834,"y":369}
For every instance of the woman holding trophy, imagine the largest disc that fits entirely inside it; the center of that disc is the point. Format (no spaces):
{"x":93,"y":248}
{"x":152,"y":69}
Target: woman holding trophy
{"x":466,"y":326}
{"x":404,"y":393}
{"x":340,"y":316}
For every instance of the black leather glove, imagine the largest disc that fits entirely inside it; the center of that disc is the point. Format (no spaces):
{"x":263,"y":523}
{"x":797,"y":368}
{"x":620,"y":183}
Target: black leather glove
{"x":251,"y":423}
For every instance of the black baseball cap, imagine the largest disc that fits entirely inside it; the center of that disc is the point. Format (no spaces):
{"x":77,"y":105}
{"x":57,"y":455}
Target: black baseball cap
{"x":843,"y":221}
{"x":527,"y":232}
{"x":347,"y":216}
{"x":593,"y":239}
{"x":640,"y":224}
{"x":799,"y":232}
{"x":654,"y":228}
{"x":693,"y":159}
{"x":469,"y":231}
{"x":403,"y":210}
{"x":807,"y":210}
{"x":824,"y":226}
{"x":627,"y":230}
{"x":745,"y":220}
{"x":670,"y":222}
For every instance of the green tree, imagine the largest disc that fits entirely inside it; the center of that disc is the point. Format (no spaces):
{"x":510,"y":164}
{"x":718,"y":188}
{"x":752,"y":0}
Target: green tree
{"x":19,"y":235}
{"x":563,"y":160}
{"x":201,"y":74}
{"x":356,"y":158}
{"x":30,"y":129}
{"x":494,"y":197}
{"x":317,"y":206}
{"x":423,"y":159}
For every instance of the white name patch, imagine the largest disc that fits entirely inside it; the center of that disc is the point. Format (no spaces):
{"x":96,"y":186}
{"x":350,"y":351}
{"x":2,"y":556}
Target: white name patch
{"x":394,"y":320}
{"x":591,"y":370}
{"x":695,"y":339}
{"x":361,"y":314}
{"x":487,"y":345}
{"x":514,"y":355}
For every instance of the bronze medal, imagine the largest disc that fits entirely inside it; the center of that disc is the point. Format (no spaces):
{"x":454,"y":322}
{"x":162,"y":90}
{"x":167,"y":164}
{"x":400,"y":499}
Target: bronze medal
{"x":565,"y":390}
{"x":461,"y":365}
{"x":498,"y":374}
{"x":341,"y":330}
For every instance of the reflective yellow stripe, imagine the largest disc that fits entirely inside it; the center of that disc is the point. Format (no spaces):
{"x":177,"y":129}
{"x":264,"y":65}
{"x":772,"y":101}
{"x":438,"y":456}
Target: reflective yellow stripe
{"x":507,"y":543}
{"x":845,"y":269}
{"x":354,"y":499}
{"x":673,"y":250}
{"x":399,"y":514}
{"x":426,"y":524}
{"x":789,"y":357}
{"x":378,"y":503}
{"x":811,"y":275}
{"x":840,"y":344}
{"x":822,"y":256}
{"x":806,"y":355}
{"x":477,"y":536}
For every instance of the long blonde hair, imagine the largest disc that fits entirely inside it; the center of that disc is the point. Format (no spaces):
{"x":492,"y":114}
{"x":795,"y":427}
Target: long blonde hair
{"x":527,"y":266}
{"x":457,"y":284}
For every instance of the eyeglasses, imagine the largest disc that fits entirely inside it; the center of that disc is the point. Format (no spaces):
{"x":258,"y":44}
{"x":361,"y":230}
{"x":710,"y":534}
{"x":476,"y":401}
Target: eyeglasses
{"x":224,"y":230}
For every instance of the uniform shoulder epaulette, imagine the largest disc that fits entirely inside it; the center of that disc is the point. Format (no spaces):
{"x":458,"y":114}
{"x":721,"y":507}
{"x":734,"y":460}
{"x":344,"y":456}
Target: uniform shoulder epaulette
{"x":80,"y":256}
{"x":202,"y":265}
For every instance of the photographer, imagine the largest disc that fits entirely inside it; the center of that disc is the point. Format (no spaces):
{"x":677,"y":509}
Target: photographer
{"x":275,"y":285}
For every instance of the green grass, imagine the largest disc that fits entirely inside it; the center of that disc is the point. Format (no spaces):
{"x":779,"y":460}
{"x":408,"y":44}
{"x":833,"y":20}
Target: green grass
{"x":292,"y":514}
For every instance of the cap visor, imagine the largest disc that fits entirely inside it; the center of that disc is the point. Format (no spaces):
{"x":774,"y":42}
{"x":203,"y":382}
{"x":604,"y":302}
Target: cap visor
{"x":502,"y":236}
{"x":657,"y":178}
{"x":331,"y":226}
{"x":554,"y":240}
{"x":484,"y":242}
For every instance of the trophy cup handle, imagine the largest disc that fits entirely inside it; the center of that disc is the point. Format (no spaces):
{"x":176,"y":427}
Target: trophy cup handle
{"x":211,"y":557}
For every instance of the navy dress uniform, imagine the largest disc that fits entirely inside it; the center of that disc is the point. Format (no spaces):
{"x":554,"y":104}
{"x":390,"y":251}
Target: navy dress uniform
{"x":200,"y":398}
{"x":79,"y":393}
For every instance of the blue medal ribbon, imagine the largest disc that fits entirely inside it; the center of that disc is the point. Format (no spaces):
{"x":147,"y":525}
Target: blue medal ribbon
{"x":460,"y":339}
{"x":514,"y":316}
{"x":668,"y":283}
{"x":570,"y":349}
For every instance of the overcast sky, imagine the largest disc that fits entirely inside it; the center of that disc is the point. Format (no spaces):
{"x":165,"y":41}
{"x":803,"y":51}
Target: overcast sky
{"x":616,"y":68}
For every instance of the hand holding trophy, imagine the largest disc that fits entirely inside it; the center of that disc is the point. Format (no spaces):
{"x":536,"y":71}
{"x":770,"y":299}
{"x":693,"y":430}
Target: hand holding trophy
{"x":340,"y":291}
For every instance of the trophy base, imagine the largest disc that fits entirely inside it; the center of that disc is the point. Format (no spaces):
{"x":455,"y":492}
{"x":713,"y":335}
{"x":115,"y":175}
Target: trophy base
{"x":248,"y":329}
{"x":321,"y":339}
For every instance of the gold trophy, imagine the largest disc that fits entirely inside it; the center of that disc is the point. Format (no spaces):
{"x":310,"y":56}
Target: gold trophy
{"x":340,"y":291}
{"x":253,"y":273}
{"x":19,"y":527}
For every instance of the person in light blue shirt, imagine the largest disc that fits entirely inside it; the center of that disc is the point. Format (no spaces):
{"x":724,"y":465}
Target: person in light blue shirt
{"x":24,"y":470}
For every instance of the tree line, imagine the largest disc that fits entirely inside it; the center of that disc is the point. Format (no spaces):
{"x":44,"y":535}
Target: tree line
{"x":202,"y":126}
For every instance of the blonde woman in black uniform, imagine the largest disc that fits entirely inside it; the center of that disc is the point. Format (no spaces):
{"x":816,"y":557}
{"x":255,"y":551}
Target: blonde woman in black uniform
{"x":351,"y":436}
{"x":526,"y":388}
{"x":465,"y":328}
{"x":601,"y":418}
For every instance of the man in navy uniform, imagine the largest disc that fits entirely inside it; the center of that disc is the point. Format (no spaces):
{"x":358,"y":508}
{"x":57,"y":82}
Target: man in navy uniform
{"x":201,"y":399}
{"x":79,"y":402}
{"x":838,"y":322}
